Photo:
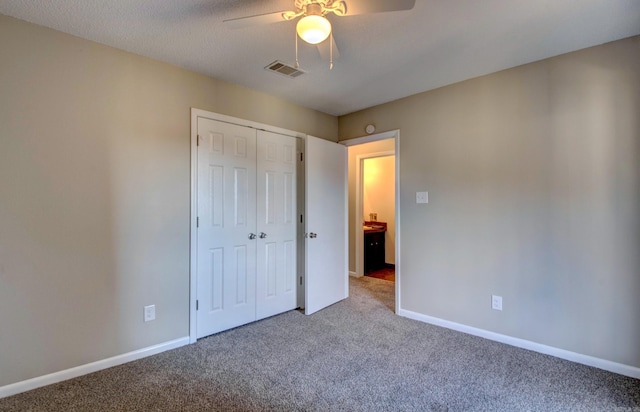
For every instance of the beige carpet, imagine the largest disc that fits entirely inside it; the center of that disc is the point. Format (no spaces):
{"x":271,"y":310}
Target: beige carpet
{"x":353,"y":356}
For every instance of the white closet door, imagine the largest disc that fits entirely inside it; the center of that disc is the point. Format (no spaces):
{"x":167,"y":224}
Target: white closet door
{"x":226,"y":256}
{"x":276,"y":226}
{"x":327,"y":277}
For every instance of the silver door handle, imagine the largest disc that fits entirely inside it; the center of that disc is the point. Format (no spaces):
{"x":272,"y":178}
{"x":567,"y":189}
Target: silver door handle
{"x":252,"y":236}
{"x":262,"y":235}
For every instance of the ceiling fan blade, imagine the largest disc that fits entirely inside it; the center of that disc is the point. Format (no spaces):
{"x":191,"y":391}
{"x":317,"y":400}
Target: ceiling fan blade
{"x":325,"y":51}
{"x":377,"y":6}
{"x":256,"y":20}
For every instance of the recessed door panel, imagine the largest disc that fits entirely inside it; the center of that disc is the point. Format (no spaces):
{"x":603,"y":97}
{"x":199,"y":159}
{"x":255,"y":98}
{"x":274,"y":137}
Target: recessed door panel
{"x":288,"y":198}
{"x":216,"y":193}
{"x":289,"y":266}
{"x":216,"y":282}
{"x":240,"y":196}
{"x":288,"y":153}
{"x":216,"y":143}
{"x":240,"y":146}
{"x":270,"y":269}
{"x":270,"y":207}
{"x":271,"y":152}
{"x":241,"y":275}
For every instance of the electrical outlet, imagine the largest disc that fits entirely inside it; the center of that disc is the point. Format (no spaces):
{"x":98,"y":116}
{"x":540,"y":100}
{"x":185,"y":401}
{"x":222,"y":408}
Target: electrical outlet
{"x":149,"y":313}
{"x":422,"y":197}
{"x":496,"y":302}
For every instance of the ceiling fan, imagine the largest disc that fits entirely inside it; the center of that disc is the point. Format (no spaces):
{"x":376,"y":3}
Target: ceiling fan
{"x":313,"y":26}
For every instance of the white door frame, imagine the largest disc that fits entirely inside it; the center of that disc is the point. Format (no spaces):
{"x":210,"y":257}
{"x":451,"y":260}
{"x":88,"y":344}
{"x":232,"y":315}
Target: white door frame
{"x":195,"y":114}
{"x":359,"y":232}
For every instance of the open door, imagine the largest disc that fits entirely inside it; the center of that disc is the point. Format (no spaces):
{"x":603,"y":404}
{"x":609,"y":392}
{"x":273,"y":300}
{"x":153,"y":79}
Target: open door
{"x":326,"y":239}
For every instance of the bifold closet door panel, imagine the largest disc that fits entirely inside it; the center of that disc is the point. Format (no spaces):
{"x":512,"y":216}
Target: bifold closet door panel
{"x":226,"y":253}
{"x":276,"y":224}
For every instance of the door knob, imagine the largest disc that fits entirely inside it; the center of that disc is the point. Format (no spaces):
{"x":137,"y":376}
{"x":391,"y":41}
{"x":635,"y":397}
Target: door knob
{"x":262,"y":235}
{"x":252,"y":236}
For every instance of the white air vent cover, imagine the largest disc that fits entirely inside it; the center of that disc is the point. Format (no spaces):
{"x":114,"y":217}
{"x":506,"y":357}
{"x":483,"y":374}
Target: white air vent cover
{"x":284,"y":69}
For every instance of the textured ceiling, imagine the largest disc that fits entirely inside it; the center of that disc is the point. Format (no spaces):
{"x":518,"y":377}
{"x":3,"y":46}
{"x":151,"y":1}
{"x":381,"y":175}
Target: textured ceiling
{"x":383,"y":57}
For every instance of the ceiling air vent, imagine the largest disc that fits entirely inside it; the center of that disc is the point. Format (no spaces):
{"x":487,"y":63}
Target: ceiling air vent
{"x":284,"y":69}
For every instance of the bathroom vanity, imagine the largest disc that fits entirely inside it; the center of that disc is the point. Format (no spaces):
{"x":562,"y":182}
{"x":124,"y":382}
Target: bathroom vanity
{"x":374,"y":234}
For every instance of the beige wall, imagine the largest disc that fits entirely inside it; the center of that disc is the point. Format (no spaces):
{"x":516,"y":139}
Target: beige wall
{"x":94,"y":195}
{"x":386,"y":145}
{"x":534,"y":194}
{"x":378,"y":196}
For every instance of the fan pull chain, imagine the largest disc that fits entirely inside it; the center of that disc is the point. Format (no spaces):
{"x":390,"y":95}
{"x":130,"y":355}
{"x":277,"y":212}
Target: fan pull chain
{"x":297,"y":64}
{"x":331,"y":51}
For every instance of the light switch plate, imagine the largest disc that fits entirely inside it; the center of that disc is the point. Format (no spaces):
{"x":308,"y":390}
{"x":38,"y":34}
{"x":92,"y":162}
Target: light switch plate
{"x":422,"y":197}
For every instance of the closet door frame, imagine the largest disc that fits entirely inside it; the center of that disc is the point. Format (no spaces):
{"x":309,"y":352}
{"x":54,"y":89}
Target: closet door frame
{"x":195,"y":114}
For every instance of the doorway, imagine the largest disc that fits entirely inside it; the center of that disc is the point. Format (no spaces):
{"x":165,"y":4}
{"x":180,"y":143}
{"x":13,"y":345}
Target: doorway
{"x":377,"y":191}
{"x":361,"y":150}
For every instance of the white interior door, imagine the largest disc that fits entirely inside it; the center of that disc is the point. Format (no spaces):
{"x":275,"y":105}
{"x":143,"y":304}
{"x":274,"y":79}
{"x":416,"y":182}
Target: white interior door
{"x":327,"y":277}
{"x":226,"y":252}
{"x":276,"y":243}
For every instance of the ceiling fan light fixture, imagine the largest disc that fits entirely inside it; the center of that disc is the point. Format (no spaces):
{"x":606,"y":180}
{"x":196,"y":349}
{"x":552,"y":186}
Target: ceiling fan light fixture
{"x":313,"y":29}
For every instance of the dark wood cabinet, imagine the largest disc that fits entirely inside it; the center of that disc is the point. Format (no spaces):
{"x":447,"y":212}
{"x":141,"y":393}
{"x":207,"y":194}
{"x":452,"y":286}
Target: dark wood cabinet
{"x":373,"y":251}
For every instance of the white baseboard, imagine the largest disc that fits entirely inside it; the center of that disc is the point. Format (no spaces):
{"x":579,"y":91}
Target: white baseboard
{"x":354,"y":274}
{"x":607,"y":365}
{"x":60,"y":376}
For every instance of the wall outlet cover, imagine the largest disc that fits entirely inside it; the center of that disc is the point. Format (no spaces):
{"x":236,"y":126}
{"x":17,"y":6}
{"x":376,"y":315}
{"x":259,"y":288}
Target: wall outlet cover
{"x":496,"y":302}
{"x":149,"y":313}
{"x":422,"y":197}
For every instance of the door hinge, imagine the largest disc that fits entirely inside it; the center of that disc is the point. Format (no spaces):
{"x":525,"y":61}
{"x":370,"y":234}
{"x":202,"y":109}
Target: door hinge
{"x":198,"y":140}
{"x":198,"y":221}
{"x":300,"y":280}
{"x":301,"y":219}
{"x":197,"y":304}
{"x":302,"y":157}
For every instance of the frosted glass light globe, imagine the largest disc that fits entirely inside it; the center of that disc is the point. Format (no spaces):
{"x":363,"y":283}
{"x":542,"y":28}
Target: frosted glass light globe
{"x":313,"y":29}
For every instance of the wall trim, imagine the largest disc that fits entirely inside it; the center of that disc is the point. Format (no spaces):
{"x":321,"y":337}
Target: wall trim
{"x":33,"y":383}
{"x":607,"y":365}
{"x":354,"y":274}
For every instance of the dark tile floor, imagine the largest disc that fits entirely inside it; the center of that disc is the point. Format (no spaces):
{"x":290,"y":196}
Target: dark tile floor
{"x":387,"y":273}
